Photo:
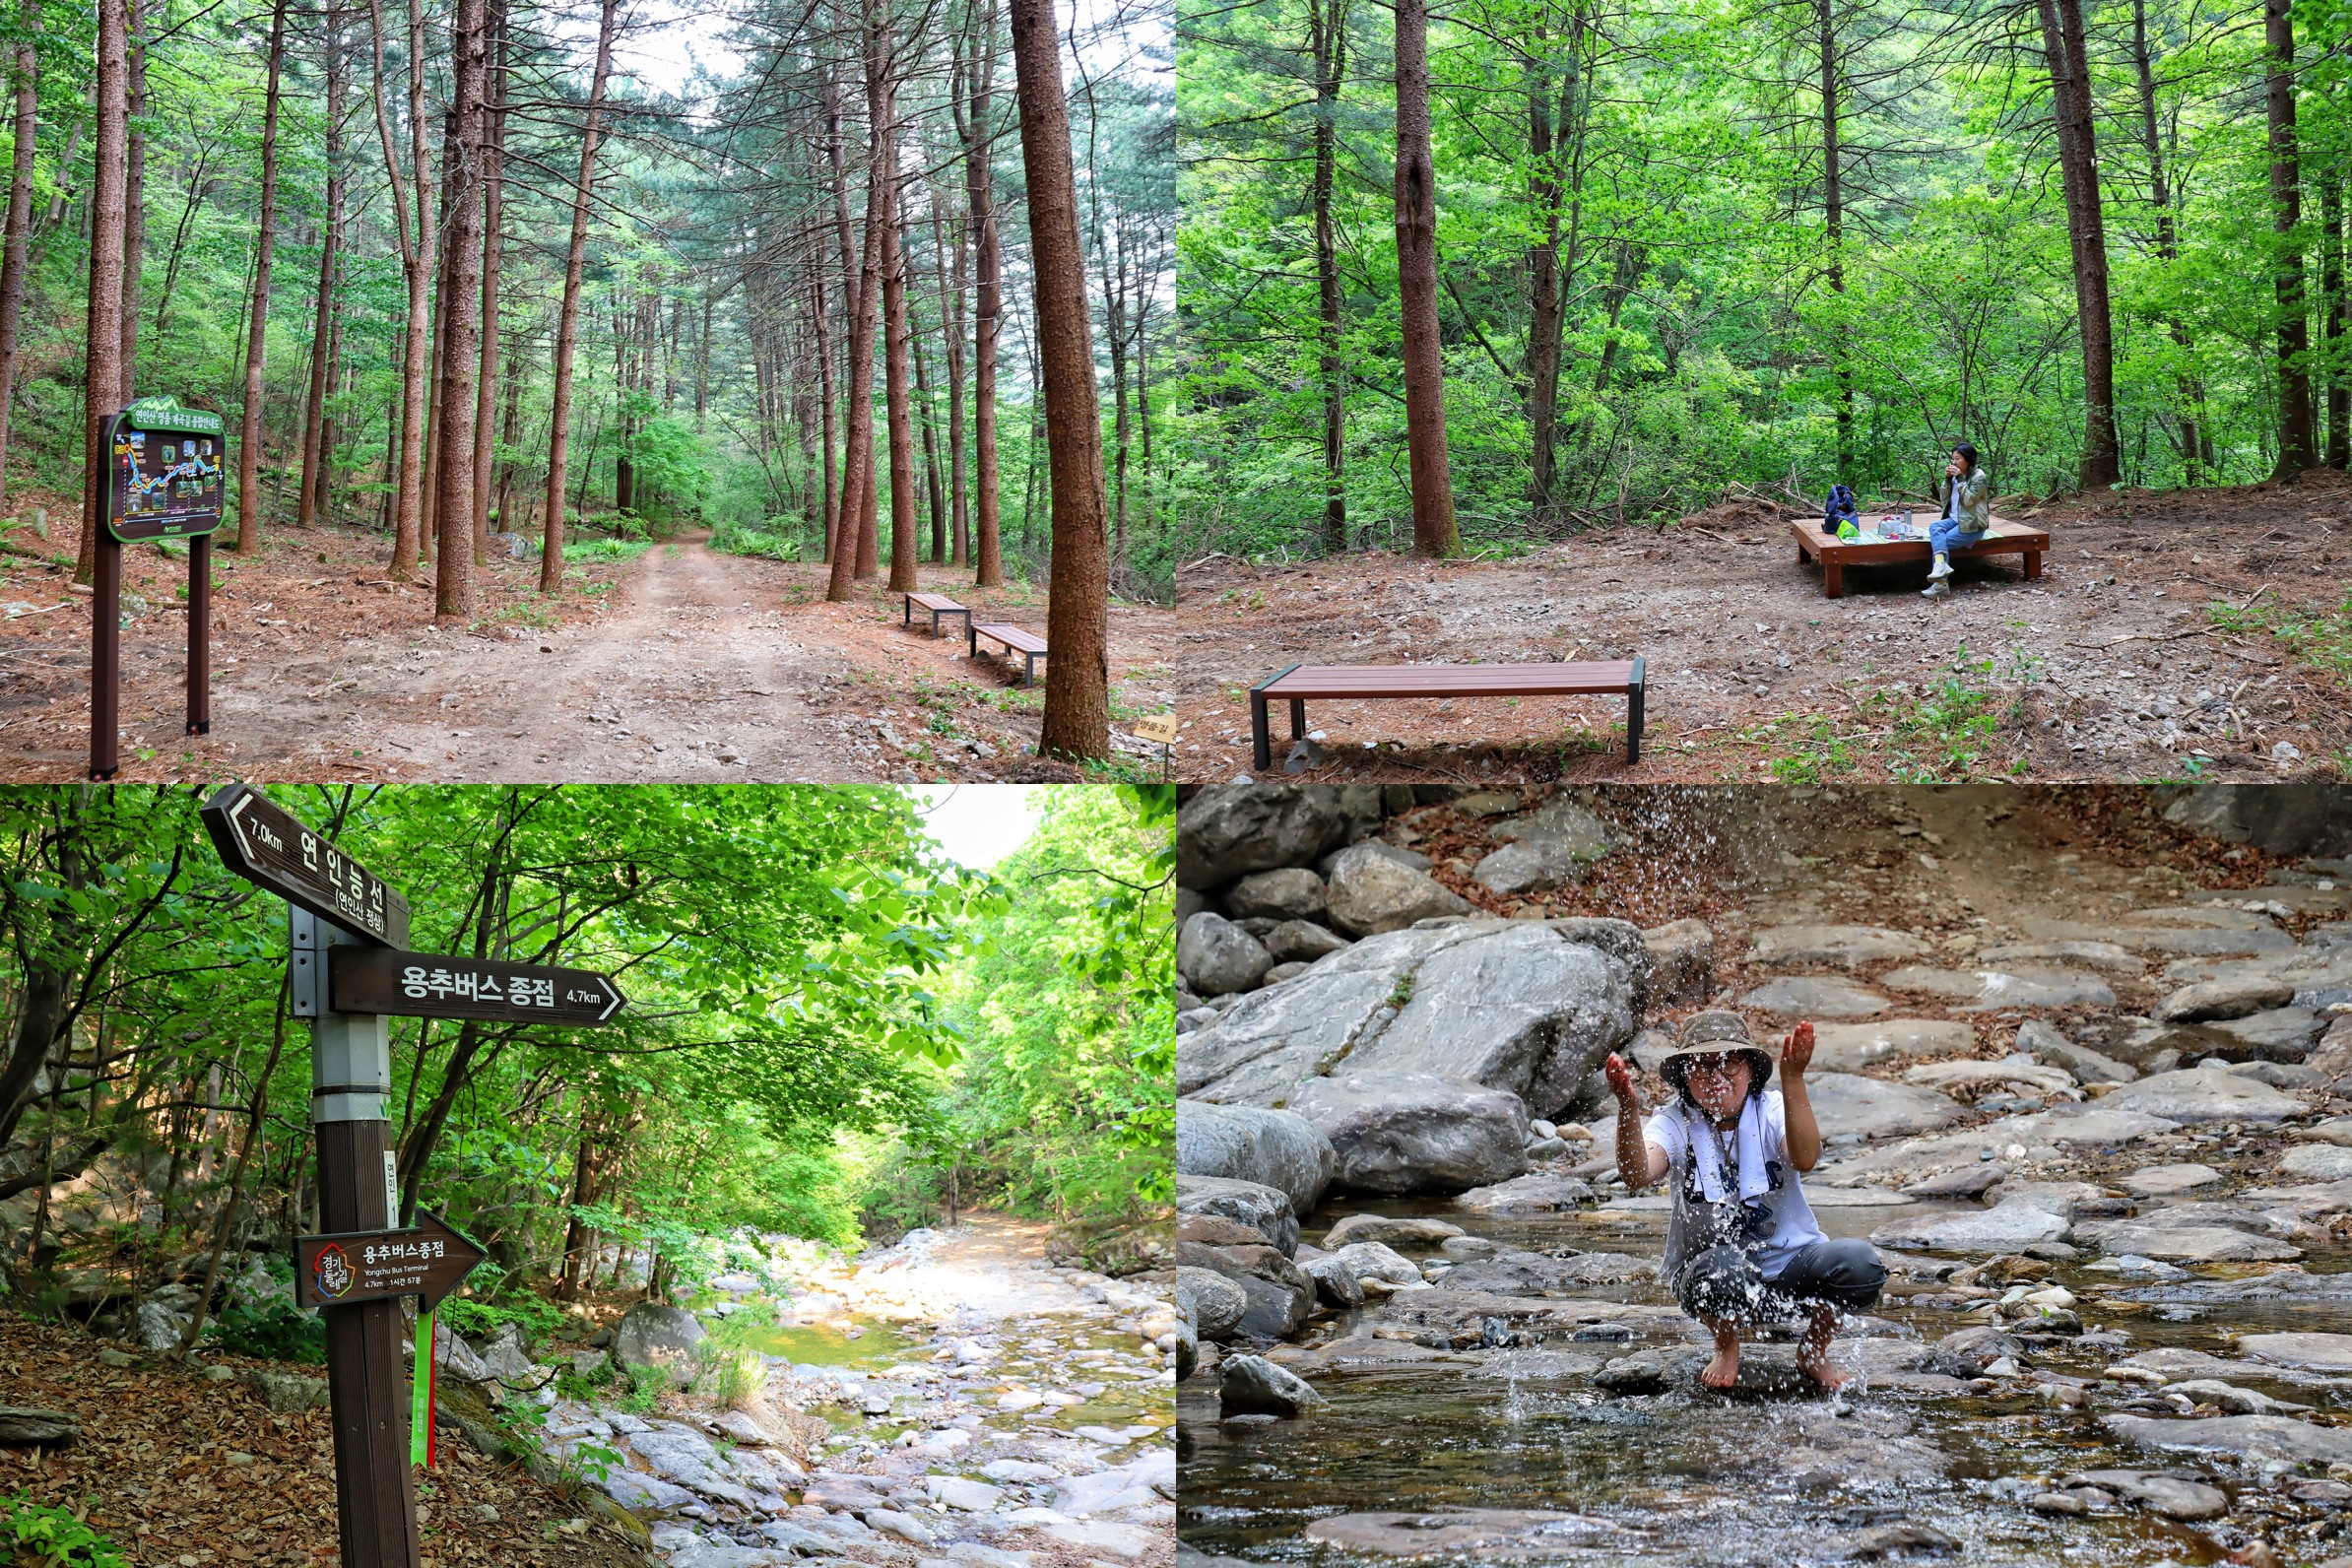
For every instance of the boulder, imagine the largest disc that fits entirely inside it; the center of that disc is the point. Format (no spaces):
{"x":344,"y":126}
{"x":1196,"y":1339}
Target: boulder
{"x":1416,"y":1132}
{"x":1395,"y":1231}
{"x":1537,"y":1193}
{"x":1982,"y":990}
{"x":1838,"y":945}
{"x":1529,"y":866}
{"x":1850,"y":1047}
{"x":1278,"y":1294}
{"x":507,"y":1358}
{"x":2202,"y":1095}
{"x":2005,"y":1228}
{"x":2283,"y":1034}
{"x":2182,"y":1243}
{"x":2110,"y":957}
{"x":1229,"y":831}
{"x":2235,"y":998}
{"x":666,"y":1338}
{"x":1410,"y":859}
{"x":1849,"y":1106}
{"x":1264,"y":1210}
{"x":1974,"y":1080}
{"x":1681,"y":962}
{"x":1216,"y":956}
{"x":287,"y":1393}
{"x":1370,"y":894}
{"x":2044,"y":1043}
{"x":1372,"y":1259}
{"x":2279,"y":1437}
{"x":22,"y":1427}
{"x":1561,"y":820}
{"x":1288,"y":892}
{"x":1302,"y":942}
{"x":2298,"y":818}
{"x":1251,"y":1143}
{"x":1815,"y":996}
{"x":160,"y":1326}
{"x":1217,"y":1303}
{"x":1285,"y":971}
{"x":1251,"y":1384}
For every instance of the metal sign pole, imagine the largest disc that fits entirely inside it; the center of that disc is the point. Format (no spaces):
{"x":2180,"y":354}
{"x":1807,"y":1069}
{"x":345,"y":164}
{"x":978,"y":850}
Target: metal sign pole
{"x":200,"y":635}
{"x":350,"y":1074}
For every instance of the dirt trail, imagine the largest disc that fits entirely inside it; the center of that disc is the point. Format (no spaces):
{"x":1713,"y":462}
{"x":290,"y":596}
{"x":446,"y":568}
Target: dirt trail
{"x":987,"y":1267}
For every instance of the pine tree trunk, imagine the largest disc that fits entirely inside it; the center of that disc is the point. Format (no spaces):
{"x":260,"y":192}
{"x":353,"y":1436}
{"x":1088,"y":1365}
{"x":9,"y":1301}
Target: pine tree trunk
{"x":134,"y":196}
{"x":988,"y":306}
{"x":1833,"y":209}
{"x":1327,"y":25}
{"x":824,"y":393}
{"x":454,"y":582}
{"x":1433,"y":531}
{"x":415,"y":254}
{"x":882,"y":96}
{"x":1545,"y":314}
{"x":1077,"y":710}
{"x":18,"y":242}
{"x":2334,"y":314}
{"x":314,"y":402}
{"x":2086,"y":233}
{"x":494,"y":186}
{"x":934,"y":490}
{"x":567,"y":323}
{"x":2296,"y":449}
{"x":103,"y":325}
{"x":951,"y":336}
{"x":855,"y":538}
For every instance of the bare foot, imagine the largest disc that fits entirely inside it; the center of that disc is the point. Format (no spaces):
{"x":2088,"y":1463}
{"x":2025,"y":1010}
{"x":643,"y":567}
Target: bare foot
{"x":1724,"y":1370}
{"x":1817,"y":1365}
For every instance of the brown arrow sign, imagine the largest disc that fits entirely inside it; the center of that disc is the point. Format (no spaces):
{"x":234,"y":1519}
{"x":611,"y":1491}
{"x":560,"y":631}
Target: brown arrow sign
{"x":432,"y":985}
{"x":279,"y":853}
{"x":429,"y":1261}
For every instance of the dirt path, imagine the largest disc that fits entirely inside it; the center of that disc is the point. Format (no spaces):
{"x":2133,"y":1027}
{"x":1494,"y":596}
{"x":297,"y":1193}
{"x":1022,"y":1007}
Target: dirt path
{"x":990,"y":1265}
{"x":2109,"y":667}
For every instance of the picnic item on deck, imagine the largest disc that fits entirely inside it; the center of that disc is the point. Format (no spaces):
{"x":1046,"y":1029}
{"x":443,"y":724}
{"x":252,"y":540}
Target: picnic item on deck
{"x":1300,"y":682}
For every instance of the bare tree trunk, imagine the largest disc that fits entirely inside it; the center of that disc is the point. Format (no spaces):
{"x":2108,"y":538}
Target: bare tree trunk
{"x":416,"y":255}
{"x":1077,"y":712}
{"x":314,"y":405}
{"x":103,"y":327}
{"x":824,"y":393}
{"x":2297,"y":451}
{"x":18,"y":245}
{"x":988,"y":302}
{"x":1433,"y":531}
{"x":454,"y":582}
{"x":567,"y":323}
{"x":838,"y":529}
{"x":338,"y":381}
{"x":2160,"y":198}
{"x":881,"y":97}
{"x":134,"y":197}
{"x":933,"y":488}
{"x":855,"y":537}
{"x":2086,"y":233}
{"x":493,"y":188}
{"x":1545,"y":312}
{"x":2335,"y":315}
{"x":951,"y":334}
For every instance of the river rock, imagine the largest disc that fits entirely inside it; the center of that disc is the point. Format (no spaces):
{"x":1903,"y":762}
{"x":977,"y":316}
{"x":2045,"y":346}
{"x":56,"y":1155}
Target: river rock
{"x":1227,"y":830}
{"x":1267,"y":1210}
{"x":2231,"y":1398}
{"x":1982,"y":990}
{"x":1302,"y":942}
{"x":1279,"y":1294}
{"x":1536,"y":1274}
{"x":2258,"y":1436}
{"x":2224,"y":999}
{"x":1849,"y":1106}
{"x":2168,"y":1181}
{"x":2281,"y":1035}
{"x":1288,"y":892}
{"x":2004,"y":1227}
{"x":1529,"y":866}
{"x":2318,"y":1162}
{"x":1216,"y":956}
{"x":2044,"y":1043}
{"x":2015,"y":1073}
{"x":1370,"y":894}
{"x":1850,"y":1047}
{"x":1681,"y":962}
{"x":1253,"y":1144}
{"x":1537,"y":1193}
{"x":2182,"y":1243}
{"x":1475,"y":1534}
{"x":2170,"y":1496}
{"x":1251,"y":1384}
{"x":666,"y":1338}
{"x":1815,"y":996}
{"x":1838,"y":944}
{"x":2107,"y":955}
{"x":1416,"y":1132}
{"x":640,"y":1491}
{"x":2066,"y":1199}
{"x":1142,"y":1481}
{"x":2309,"y":1352}
{"x":1392,"y":1229}
{"x":1373,"y":1260}
{"x":2203,"y":1094}
{"x":2094,"y":1123}
{"x":1217,"y":1303}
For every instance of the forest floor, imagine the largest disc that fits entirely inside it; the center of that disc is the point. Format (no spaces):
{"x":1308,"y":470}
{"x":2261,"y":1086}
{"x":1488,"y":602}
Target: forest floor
{"x":2112,"y":666}
{"x":682,"y":664}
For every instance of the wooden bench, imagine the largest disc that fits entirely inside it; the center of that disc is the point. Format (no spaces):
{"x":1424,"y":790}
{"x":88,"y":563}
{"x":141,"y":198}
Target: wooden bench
{"x":1836,"y":554}
{"x":1356,"y":682}
{"x":939,"y":604}
{"x":1015,"y":641}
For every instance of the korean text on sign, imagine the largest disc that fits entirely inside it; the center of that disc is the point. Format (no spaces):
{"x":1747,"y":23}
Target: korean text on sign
{"x":418,"y":982}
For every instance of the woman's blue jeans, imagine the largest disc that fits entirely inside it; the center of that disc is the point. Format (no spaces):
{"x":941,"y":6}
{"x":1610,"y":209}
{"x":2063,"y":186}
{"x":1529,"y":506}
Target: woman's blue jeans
{"x":1945,"y":533}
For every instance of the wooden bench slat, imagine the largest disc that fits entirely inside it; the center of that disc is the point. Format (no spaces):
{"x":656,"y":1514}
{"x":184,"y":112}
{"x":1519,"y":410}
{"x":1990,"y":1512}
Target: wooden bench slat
{"x":935,"y":600}
{"x":1362,"y":681}
{"x":1010,"y":636}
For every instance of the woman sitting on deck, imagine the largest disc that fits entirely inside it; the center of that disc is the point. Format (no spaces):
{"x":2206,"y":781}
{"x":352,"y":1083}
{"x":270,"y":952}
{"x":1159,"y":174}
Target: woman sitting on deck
{"x":1965,"y":497}
{"x":1743,"y":1247}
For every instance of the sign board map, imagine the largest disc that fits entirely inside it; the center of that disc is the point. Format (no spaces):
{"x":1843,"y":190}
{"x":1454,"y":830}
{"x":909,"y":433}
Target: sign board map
{"x":429,"y":1261}
{"x":432,"y":985}
{"x":278,"y":852}
{"x":164,"y":470}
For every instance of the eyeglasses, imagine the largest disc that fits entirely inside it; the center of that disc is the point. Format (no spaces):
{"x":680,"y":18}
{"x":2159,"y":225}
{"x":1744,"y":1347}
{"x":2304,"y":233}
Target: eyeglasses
{"x":1719,"y":1066}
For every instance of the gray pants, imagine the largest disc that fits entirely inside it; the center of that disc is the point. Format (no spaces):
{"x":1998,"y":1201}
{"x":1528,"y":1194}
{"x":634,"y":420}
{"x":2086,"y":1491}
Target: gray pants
{"x":1726,"y":1283}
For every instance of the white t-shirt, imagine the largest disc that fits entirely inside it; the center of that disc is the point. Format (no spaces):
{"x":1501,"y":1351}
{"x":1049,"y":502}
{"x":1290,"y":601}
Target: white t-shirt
{"x":1793,"y":1226}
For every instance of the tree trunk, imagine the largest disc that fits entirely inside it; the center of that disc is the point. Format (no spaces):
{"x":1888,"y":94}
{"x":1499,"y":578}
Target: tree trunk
{"x":2167,"y":246}
{"x":1545,"y":312}
{"x":1077,"y":711}
{"x":567,"y":323}
{"x":1833,"y":209}
{"x":853,"y":553}
{"x":134,"y":195}
{"x":494,"y":186}
{"x":951,"y":334}
{"x":838,"y":527}
{"x":933,"y":488}
{"x":338,"y":382}
{"x":18,"y":242}
{"x":881,"y":98}
{"x":988,"y":303}
{"x":454,"y":582}
{"x":824,"y":393}
{"x":416,"y":255}
{"x":2086,"y":233}
{"x":102,"y":326}
{"x":314,"y":402}
{"x":2337,"y":317}
{"x":1433,"y":531}
{"x":2297,"y":451}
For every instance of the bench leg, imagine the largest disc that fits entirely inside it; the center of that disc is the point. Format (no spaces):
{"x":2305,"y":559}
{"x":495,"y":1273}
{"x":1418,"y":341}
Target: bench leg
{"x":1029,"y":675}
{"x":1261,"y":742}
{"x":1298,"y":718}
{"x":2033,"y":564}
{"x":1633,"y":726}
{"x":910,"y":613}
{"x":1833,"y":580}
{"x":971,"y":635}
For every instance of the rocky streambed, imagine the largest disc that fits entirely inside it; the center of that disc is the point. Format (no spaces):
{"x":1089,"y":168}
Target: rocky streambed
{"x":2091,"y":1109}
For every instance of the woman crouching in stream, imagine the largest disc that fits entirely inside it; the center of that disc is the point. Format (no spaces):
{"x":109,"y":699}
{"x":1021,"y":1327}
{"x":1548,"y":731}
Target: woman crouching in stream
{"x":1743,"y":1247}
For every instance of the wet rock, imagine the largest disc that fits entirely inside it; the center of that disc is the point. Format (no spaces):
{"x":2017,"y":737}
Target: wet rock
{"x":2158,"y":1491}
{"x":1279,"y":1294}
{"x":2105,"y":955}
{"x":1536,"y":1274}
{"x":1530,"y":865}
{"x":2257,"y":1436}
{"x":2282,"y":1033}
{"x":2150,"y":1236}
{"x":1537,"y":1193}
{"x":1980,"y":990}
{"x":2230,"y":1398}
{"x":1890,"y":1542}
{"x":1217,"y":1303}
{"x":1375,"y":1261}
{"x":1681,"y":962}
{"x":2168,"y":1181}
{"x":2311,"y":1352}
{"x":668,"y":1339}
{"x":642,"y":1492}
{"x":1981,"y":1346}
{"x":1416,"y":1131}
{"x":1642,"y":1372}
{"x":1850,"y":1047}
{"x":1292,"y":892}
{"x":1838,"y":944}
{"x":1392,"y":1229}
{"x":1265,"y":1209}
{"x":1250,"y":1385}
{"x":1851,"y":1106}
{"x":2203,"y":1094}
{"x":2098,"y":1124}
{"x":1369,"y":894}
{"x":2044,"y":1043}
{"x":2320,"y":1162}
{"x":963,"y":1494}
{"x":1820,"y":996}
{"x":1227,"y":830}
{"x":2067,"y":1200}
{"x":1969,"y":1181}
{"x":1248,"y":1143}
{"x":2002,"y":1229}
{"x":1336,"y":1283}
{"x":1302,"y":942}
{"x":1106,"y":1538}
{"x":1486,"y":1532}
{"x":1216,"y":956}
{"x":2224,"y":999}
{"x":288,"y":1392}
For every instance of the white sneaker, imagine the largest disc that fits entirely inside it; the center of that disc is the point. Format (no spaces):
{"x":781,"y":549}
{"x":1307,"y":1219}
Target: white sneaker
{"x":1940,"y":570}
{"x":1937,"y":590}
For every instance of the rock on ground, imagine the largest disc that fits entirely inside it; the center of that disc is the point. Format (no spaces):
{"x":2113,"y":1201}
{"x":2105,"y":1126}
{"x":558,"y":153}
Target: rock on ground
{"x":1267,"y":1210}
{"x":2202,"y":1094}
{"x":666,"y":1338}
{"x":1227,"y":830}
{"x":1850,"y":1047}
{"x":1416,"y":1132}
{"x":1369,"y":894}
{"x":1216,"y":956}
{"x":1253,"y":1144}
{"x":2005,"y":1228}
{"x":1250,"y":1385}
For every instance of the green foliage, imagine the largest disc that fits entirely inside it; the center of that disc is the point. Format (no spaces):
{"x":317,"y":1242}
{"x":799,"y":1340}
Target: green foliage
{"x":2319,"y":637}
{"x":472,"y":1317}
{"x":57,"y":1537}
{"x":278,"y":1332}
{"x":732,"y":1379}
{"x":605,"y":549}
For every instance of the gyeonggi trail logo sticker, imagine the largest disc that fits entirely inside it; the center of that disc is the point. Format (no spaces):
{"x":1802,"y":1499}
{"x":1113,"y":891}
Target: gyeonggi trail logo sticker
{"x":331,"y":1275}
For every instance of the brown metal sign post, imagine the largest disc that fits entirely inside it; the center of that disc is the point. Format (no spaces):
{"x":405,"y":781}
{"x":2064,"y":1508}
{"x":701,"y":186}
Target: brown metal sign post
{"x":161,"y":479}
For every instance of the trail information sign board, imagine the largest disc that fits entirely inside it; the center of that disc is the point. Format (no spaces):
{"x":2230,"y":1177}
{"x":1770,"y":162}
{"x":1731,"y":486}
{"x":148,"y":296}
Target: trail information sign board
{"x":163,"y":468}
{"x":430,"y":985}
{"x":278,"y":852}
{"x":429,"y":1260}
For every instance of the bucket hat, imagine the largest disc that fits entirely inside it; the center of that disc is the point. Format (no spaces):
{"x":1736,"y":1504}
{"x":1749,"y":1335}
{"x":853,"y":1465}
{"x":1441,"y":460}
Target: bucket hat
{"x":1714,"y":1033}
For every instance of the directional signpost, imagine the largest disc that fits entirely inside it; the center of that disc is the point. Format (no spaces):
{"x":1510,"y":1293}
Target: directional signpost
{"x":161,"y":479}
{"x":346,"y":971}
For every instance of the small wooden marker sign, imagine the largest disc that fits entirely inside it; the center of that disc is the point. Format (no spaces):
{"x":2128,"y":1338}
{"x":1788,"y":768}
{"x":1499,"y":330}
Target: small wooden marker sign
{"x":1160,"y":727}
{"x":430,"y":1260}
